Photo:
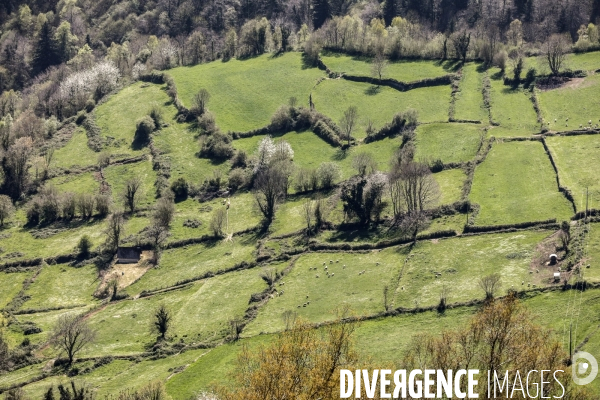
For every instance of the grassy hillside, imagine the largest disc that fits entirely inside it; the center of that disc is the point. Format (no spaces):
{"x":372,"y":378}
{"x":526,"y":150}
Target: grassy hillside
{"x":244,"y":94}
{"x":253,"y":272}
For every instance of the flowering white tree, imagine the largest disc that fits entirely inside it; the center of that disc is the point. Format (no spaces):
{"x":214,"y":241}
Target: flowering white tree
{"x":269,"y":151}
{"x":137,"y":70}
{"x":100,"y":80}
{"x":266,"y":149}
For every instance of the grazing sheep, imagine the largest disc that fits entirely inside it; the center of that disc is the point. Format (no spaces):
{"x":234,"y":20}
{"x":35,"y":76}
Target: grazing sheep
{"x":330,"y":261}
{"x":298,"y":305}
{"x":333,"y":274}
{"x":523,"y":282}
{"x":529,"y":285}
{"x":581,"y":125}
{"x":317,"y":276}
{"x":402,"y":287}
{"x":567,"y":118}
{"x":344,"y":267}
{"x":376,"y":263}
{"x":554,"y":119}
{"x":590,"y":122}
{"x":304,"y":305}
{"x":308,"y":302}
{"x":307,"y":296}
{"x":324,"y":263}
{"x":566,"y":124}
{"x":337,"y":261}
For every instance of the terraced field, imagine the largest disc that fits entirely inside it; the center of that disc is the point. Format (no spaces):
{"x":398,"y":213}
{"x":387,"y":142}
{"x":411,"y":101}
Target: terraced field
{"x":244,"y":282}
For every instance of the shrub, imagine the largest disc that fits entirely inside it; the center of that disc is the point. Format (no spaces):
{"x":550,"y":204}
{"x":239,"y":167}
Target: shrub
{"x":530,"y":77}
{"x":104,"y":159}
{"x":218,"y":221}
{"x":500,"y":59}
{"x":218,"y":145}
{"x":144,"y":127}
{"x":207,"y":123}
{"x":89,"y":105}
{"x":180,"y":189}
{"x":328,"y":173}
{"x":163,"y":212}
{"x":237,"y":179}
{"x":282,"y":120}
{"x":6,"y":208}
{"x":84,"y":246}
{"x":157,"y":115}
{"x":34,"y":212}
{"x":68,"y":205}
{"x":103,"y":205}
{"x":240,"y":160}
{"x":85,"y":205}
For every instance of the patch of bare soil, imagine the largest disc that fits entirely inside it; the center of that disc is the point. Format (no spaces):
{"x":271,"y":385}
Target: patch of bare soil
{"x":540,"y":269}
{"x":127,"y":274}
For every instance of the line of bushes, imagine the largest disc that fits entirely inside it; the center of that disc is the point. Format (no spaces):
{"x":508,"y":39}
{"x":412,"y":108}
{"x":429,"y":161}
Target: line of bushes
{"x":492,"y":228}
{"x":402,"y":86}
{"x":453,"y":96}
{"x":565,"y":191}
{"x":93,"y":132}
{"x":592,"y":212}
{"x":315,"y":246}
{"x":402,"y":121}
{"x":160,"y":77}
{"x":288,"y":119}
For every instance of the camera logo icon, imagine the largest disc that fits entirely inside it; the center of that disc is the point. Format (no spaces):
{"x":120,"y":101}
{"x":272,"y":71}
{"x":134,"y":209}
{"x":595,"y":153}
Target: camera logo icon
{"x":585,"y":368}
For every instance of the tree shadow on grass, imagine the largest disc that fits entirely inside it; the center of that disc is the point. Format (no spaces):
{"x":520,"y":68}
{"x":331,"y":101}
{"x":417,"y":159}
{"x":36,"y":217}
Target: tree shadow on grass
{"x":450,"y":65}
{"x":372,"y":90}
{"x":340,"y":155}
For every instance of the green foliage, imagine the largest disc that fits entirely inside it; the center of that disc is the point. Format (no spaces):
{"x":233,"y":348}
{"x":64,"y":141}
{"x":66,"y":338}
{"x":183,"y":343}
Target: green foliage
{"x":84,"y":246}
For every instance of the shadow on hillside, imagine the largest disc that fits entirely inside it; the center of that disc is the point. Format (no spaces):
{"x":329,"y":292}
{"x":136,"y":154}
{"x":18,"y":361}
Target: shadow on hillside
{"x":340,"y":155}
{"x":449,"y":65}
{"x":372,"y":90}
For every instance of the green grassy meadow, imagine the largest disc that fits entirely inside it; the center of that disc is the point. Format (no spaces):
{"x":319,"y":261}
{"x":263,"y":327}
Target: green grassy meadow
{"x":516,"y":183}
{"x":403,"y":71}
{"x":244,"y":94}
{"x":78,"y":144}
{"x":578,"y":172}
{"x":451,"y":143}
{"x":379,"y":103}
{"x":469,"y":100}
{"x":512,"y":109}
{"x":575,"y":102}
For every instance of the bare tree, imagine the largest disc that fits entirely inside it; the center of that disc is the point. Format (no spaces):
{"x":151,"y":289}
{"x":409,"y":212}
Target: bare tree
{"x":413,"y":190}
{"x":85,"y":205}
{"x":162,"y":321}
{"x":308,"y":214}
{"x":218,"y":221}
{"x":132,"y":193}
{"x":48,"y":160}
{"x":157,"y":234}
{"x":378,"y":65}
{"x":556,"y":49}
{"x":348,"y":122}
{"x":364,"y":163}
{"x":200,"y":102}
{"x":164,"y":211}
{"x":71,"y":334}
{"x":270,"y":186}
{"x":6,"y":209}
{"x":114,"y":230}
{"x":461,"y":42}
{"x":490,"y":284}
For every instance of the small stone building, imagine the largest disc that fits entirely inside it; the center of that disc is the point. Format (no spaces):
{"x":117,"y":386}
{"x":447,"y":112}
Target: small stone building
{"x":128,"y":255}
